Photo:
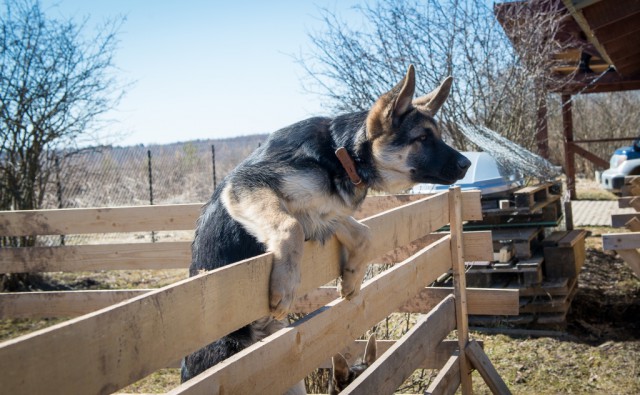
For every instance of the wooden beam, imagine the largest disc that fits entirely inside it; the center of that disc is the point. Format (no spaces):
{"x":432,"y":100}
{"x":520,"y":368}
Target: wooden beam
{"x":130,"y":256}
{"x":99,"y":220}
{"x":480,"y":301}
{"x":392,"y":368}
{"x":584,"y":25}
{"x":459,"y":285}
{"x":61,"y":303}
{"x":478,"y":247}
{"x":593,"y":158}
{"x":633,"y":224}
{"x":619,"y":220}
{"x":483,"y":365}
{"x":569,"y":159}
{"x":260,"y":365}
{"x":632,"y":258}
{"x":123,"y":343}
{"x":165,"y":217}
{"x":435,"y":359}
{"x":448,"y":379}
{"x":620,"y":241}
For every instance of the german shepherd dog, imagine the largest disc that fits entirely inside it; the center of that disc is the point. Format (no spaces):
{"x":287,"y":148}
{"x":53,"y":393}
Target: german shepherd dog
{"x":304,"y":183}
{"x":342,"y":374}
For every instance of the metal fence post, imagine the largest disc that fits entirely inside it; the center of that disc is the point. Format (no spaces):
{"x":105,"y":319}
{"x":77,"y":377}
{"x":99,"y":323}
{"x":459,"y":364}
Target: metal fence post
{"x":59,"y":189}
{"x":153,"y":234}
{"x":213,"y":162}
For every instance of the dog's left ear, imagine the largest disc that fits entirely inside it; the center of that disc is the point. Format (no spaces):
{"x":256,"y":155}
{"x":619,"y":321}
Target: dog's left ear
{"x":431,"y":103}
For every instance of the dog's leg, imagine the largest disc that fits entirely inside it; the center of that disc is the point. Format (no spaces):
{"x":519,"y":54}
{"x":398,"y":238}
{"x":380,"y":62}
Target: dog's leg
{"x":261,"y":213}
{"x":356,"y":239}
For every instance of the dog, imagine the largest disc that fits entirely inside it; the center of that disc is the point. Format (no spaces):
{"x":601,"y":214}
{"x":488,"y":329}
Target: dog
{"x":342,"y":374}
{"x":304,"y":183}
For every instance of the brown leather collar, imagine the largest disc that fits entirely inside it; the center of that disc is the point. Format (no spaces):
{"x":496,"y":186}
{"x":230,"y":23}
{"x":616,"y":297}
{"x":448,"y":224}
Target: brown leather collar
{"x":349,"y":166}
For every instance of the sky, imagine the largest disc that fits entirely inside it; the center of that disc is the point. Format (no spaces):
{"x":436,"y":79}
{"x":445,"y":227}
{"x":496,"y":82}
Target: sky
{"x":208,"y":69}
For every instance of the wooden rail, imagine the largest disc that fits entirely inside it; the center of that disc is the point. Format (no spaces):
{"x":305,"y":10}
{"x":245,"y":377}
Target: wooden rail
{"x":627,"y":244}
{"x":108,"y":349}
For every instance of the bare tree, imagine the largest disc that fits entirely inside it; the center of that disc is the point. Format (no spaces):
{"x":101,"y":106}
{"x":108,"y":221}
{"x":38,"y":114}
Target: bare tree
{"x":495,"y":86}
{"x":55,"y":82}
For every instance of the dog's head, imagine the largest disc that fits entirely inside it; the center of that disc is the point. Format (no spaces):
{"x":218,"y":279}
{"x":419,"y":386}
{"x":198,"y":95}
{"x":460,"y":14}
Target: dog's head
{"x":405,"y":139}
{"x":342,"y":374}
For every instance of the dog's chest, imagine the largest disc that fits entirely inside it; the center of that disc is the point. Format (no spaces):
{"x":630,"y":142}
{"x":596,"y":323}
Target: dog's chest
{"x":315,"y":206}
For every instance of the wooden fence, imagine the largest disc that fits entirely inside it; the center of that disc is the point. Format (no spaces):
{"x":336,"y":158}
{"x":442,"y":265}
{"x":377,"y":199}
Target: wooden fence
{"x":627,"y":244}
{"x":145,"y":330}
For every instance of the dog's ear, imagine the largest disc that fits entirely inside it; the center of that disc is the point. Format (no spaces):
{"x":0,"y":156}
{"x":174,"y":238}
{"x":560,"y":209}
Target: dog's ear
{"x":340,"y":368}
{"x":370,"y":351}
{"x":431,"y":103}
{"x":405,"y":90}
{"x":391,"y":106}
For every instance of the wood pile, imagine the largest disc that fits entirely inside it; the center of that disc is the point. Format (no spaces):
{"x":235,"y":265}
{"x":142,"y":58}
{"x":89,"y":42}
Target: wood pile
{"x":530,"y":255}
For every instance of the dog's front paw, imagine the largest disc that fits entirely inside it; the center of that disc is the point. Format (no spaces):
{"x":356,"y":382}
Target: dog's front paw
{"x":282,"y":293}
{"x":348,"y":289}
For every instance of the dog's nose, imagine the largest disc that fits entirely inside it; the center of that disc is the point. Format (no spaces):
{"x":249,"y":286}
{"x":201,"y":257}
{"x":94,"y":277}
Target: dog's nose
{"x":463,"y":163}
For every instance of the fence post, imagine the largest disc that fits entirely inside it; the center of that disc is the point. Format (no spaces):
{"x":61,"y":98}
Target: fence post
{"x":59,"y":189}
{"x":213,"y":163}
{"x":153,"y":234}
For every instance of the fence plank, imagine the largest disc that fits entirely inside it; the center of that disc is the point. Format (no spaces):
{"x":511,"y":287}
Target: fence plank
{"x":61,"y":303}
{"x":99,"y":220}
{"x":303,"y":347}
{"x":116,"y":346}
{"x":448,"y":379}
{"x":482,"y":301}
{"x":390,"y":370}
{"x":620,"y":241}
{"x":161,"y":217}
{"x":130,"y":256}
{"x":435,"y":359}
{"x":619,"y":220}
{"x":174,"y":255}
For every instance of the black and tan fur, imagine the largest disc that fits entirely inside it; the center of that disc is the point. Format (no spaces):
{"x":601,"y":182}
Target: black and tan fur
{"x":342,"y":374}
{"x":293,"y":188}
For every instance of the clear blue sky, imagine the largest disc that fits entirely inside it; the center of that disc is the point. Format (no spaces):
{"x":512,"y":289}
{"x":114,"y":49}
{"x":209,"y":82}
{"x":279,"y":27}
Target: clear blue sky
{"x":208,"y":69}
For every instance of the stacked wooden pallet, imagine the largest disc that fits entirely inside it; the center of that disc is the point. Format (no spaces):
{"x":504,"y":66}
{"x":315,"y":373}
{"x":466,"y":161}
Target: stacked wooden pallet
{"x":542,"y":264}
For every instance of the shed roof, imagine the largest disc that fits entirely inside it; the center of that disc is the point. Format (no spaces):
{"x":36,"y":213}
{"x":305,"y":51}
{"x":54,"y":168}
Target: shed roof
{"x":608,"y":30}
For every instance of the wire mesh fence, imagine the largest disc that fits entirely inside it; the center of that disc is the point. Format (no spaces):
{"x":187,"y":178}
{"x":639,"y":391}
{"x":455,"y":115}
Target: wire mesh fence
{"x":138,"y":175}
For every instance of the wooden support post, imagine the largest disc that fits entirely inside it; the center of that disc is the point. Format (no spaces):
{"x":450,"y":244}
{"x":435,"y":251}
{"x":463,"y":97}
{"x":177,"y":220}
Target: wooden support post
{"x":459,"y":285}
{"x":633,"y":224}
{"x":567,"y":126}
{"x":632,"y":257}
{"x":542,"y":129}
{"x":483,"y":365}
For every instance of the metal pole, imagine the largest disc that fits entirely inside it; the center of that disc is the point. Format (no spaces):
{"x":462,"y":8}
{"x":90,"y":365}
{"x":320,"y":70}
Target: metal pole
{"x":213,"y":163}
{"x":59,"y":187}
{"x":153,"y":234}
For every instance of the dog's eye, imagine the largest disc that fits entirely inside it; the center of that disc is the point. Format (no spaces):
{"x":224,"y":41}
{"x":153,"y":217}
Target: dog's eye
{"x":421,"y":138}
